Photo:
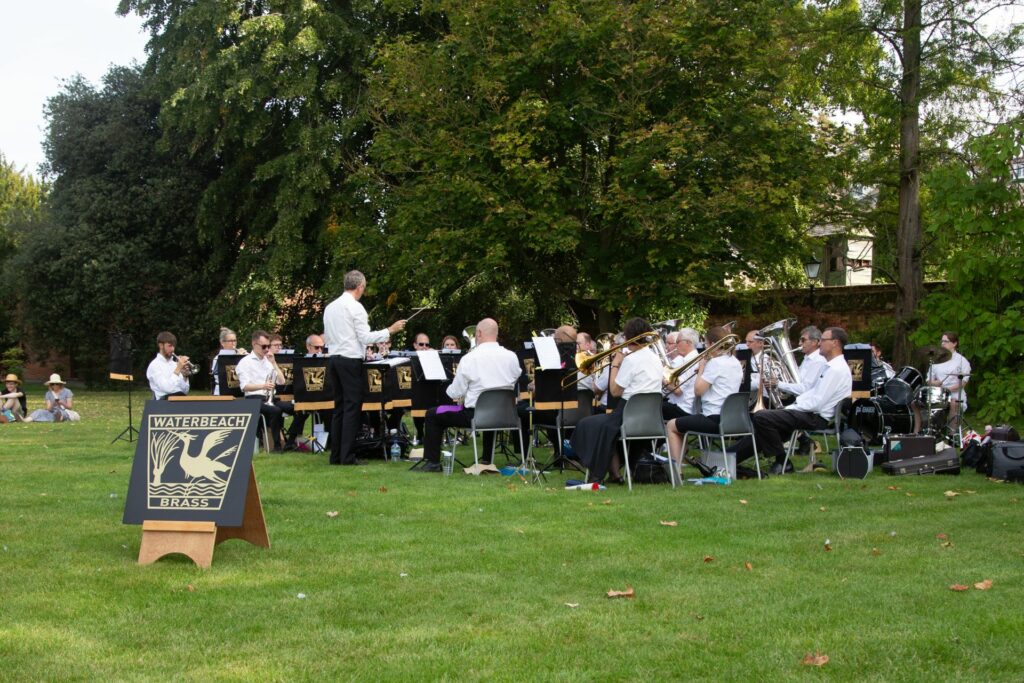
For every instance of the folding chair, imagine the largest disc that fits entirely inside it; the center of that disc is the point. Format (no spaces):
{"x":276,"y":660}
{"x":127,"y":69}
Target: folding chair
{"x":495,"y":412}
{"x":565,"y":420}
{"x":641,"y":419}
{"x":835,"y":428}
{"x":733,"y":422}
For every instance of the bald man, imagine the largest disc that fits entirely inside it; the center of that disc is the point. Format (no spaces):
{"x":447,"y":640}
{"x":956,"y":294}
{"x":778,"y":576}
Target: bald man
{"x":487,"y":366}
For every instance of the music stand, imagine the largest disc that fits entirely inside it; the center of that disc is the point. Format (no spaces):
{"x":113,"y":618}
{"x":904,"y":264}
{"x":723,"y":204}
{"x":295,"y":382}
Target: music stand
{"x":312,"y":389}
{"x":121,"y":355}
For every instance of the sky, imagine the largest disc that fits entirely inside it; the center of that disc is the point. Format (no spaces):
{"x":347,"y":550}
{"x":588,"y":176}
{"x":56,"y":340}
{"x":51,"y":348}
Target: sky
{"x":44,"y":42}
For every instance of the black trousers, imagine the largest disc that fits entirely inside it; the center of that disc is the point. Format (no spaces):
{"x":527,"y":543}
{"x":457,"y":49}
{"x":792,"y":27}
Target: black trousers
{"x":699,"y":423}
{"x":773,"y":428}
{"x":298,"y":425}
{"x":275,"y":421}
{"x":434,"y":425}
{"x":670,"y":411}
{"x":347,"y":379}
{"x":595,"y":440}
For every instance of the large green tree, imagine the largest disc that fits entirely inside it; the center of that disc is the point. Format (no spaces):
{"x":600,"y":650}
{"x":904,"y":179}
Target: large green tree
{"x":119,"y":249}
{"x":630,"y":155}
{"x":21,"y":208}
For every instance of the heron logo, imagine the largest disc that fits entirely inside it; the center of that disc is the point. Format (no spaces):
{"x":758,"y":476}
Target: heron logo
{"x":191,"y":459}
{"x":315,"y":378}
{"x":287,"y":371}
{"x":404,"y":377}
{"x":856,"y":369}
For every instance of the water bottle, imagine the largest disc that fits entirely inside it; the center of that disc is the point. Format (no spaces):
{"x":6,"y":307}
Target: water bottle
{"x":396,"y":450}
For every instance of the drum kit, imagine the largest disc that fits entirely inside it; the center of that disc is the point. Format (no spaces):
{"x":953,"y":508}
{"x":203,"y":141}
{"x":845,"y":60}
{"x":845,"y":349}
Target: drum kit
{"x":893,"y":403}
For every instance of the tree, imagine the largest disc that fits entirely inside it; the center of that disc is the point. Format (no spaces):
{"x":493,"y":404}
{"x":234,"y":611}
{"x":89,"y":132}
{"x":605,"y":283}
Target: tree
{"x":622,"y":155}
{"x":21,"y":206}
{"x":119,"y":250}
{"x":938,"y":60}
{"x":977,"y":217}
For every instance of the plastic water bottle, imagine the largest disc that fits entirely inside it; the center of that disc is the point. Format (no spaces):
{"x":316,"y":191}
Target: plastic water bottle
{"x":396,"y":450}
{"x":447,"y":462}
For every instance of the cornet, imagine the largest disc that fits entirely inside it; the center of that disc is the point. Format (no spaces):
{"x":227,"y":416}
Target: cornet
{"x":188,"y":369}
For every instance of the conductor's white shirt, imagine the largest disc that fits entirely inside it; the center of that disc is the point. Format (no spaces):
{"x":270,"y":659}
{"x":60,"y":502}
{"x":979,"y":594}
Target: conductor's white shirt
{"x":347,"y":329}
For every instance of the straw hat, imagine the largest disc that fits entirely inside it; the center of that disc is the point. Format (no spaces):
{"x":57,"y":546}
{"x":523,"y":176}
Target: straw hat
{"x":11,"y":377}
{"x":55,"y":379}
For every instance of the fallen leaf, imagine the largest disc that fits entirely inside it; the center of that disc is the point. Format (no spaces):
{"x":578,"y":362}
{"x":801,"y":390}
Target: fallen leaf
{"x":511,"y":486}
{"x":817,"y":659}
{"x":893,"y":488}
{"x":301,"y":596}
{"x":876,"y":552}
{"x":709,"y":558}
{"x":984,"y":585}
{"x":951,"y":494}
{"x":573,"y":605}
{"x":749,"y":567}
{"x":628,"y":593}
{"x":909,"y":494}
{"x":821,"y":509}
{"x":606,"y":502}
{"x":520,"y":531}
{"x":698,"y":617}
{"x":403,"y":575}
{"x":946,"y":544}
{"x":192,"y":589}
{"x":669,"y":523}
{"x":742,"y":502}
{"x":332,"y":514}
{"x":383,"y":489}
{"x":828,"y":545}
{"x":959,"y":587}
{"x":941,"y":537}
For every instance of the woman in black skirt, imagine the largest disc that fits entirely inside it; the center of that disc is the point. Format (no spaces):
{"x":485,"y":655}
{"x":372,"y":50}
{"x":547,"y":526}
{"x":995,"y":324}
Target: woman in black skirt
{"x":635,"y":370}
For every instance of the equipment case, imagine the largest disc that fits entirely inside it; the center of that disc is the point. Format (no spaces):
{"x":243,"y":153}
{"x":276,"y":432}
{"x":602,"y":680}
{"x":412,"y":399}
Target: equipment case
{"x":946,"y":462}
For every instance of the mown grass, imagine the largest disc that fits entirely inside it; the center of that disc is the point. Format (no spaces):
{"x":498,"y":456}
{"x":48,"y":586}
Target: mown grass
{"x":423,"y":577}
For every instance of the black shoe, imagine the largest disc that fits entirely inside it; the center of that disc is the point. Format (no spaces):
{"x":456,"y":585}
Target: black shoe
{"x":743,"y":472}
{"x":777,"y":468}
{"x":430,"y":467}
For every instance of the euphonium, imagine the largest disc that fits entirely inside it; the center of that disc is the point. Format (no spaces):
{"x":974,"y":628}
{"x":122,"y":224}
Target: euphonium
{"x":470,"y":334}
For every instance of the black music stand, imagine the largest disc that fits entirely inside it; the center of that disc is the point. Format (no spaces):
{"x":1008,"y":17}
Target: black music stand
{"x":121,"y":357}
{"x":311,"y":384}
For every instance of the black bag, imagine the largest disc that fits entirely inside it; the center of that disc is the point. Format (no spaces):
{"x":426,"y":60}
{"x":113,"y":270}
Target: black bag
{"x":649,"y":471}
{"x":1015,"y":475}
{"x":851,"y":437}
{"x":1004,"y":433}
{"x":1006,"y":456}
{"x":972,"y":455}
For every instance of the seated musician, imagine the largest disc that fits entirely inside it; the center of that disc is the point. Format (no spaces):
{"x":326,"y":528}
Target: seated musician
{"x":636,"y":370}
{"x":810,"y":368}
{"x":682,"y":348}
{"x":717,"y":377}
{"x":422,"y":343}
{"x":880,"y":370}
{"x":487,"y":366}
{"x":450,"y":342}
{"x":287,"y":407}
{"x":228,"y":342}
{"x":167,"y":373}
{"x":953,"y":376}
{"x":814,"y":408}
{"x":258,"y":377}
{"x":755,"y":343}
{"x":566,"y":334}
{"x":314,"y":347}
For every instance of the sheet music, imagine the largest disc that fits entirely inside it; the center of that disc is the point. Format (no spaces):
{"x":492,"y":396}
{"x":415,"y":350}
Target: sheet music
{"x":393,"y":362}
{"x":430,"y":361}
{"x":547,"y":353}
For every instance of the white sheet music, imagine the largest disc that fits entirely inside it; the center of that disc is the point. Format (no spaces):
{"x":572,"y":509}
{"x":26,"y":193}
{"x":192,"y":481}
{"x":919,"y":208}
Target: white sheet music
{"x":393,"y":362}
{"x":547,"y":353}
{"x":430,"y":360}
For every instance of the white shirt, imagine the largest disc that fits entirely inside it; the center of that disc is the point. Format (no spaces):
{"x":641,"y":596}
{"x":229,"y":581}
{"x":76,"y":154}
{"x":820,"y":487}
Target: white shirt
{"x":756,"y":359}
{"x":684,"y":399}
{"x":725,"y":375}
{"x":947,"y":373}
{"x":488,"y":366}
{"x":833,"y":384}
{"x":162,"y":378}
{"x":810,"y":368}
{"x":601,"y":383}
{"x":253,"y":370}
{"x":641,"y":372}
{"x":347,"y":330}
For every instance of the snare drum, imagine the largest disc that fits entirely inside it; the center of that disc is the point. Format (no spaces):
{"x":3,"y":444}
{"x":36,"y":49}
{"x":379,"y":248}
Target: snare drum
{"x":900,"y":389}
{"x":872,"y":417}
{"x":933,"y":397}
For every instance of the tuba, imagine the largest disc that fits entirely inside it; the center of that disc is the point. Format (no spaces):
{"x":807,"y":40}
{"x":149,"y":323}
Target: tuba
{"x":470,"y":334}
{"x":778,"y":363}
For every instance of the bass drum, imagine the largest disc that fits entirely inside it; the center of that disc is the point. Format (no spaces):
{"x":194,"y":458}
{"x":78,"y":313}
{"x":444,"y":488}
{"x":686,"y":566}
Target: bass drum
{"x":871,"y":417}
{"x":900,"y":389}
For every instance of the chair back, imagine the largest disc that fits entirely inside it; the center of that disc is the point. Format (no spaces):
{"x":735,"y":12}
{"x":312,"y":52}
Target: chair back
{"x":641,"y":418}
{"x":842,"y":414}
{"x":584,"y":408}
{"x":496,"y":409}
{"x":735,"y":415}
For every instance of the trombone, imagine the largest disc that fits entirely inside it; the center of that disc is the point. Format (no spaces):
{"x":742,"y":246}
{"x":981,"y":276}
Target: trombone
{"x":596,"y":362}
{"x":672,"y":377}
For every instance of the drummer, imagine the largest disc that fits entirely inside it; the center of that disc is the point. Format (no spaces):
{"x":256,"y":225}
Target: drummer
{"x":952,"y":375}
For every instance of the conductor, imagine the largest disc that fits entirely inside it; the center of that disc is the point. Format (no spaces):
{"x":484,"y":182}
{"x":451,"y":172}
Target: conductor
{"x":347,"y":334}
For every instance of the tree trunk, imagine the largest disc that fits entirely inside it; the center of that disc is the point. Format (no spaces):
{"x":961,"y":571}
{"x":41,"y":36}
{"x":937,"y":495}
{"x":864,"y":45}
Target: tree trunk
{"x":909,"y":273}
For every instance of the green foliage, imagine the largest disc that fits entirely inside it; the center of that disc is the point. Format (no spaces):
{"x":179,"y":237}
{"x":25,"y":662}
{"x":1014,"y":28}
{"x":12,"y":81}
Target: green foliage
{"x":119,"y":250}
{"x":21,"y":207}
{"x":13,"y":360}
{"x":977,"y":219}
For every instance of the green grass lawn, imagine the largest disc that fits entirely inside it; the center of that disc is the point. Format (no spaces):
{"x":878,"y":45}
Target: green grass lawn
{"x":422,"y":577}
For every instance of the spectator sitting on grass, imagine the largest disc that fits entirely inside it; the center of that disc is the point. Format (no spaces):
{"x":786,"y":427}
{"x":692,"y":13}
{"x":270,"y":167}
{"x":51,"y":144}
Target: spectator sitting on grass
{"x":59,"y":401}
{"x":13,"y":406}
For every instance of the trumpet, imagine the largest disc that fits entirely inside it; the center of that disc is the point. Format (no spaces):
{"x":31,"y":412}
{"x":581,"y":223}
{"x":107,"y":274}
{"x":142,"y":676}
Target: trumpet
{"x":273,"y":386}
{"x":672,"y":377}
{"x":188,"y":369}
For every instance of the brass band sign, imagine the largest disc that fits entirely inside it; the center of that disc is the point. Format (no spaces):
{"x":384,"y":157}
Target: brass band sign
{"x":192,"y":462}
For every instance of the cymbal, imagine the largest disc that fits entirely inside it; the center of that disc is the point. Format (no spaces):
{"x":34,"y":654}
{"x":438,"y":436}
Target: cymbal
{"x":933,"y":354}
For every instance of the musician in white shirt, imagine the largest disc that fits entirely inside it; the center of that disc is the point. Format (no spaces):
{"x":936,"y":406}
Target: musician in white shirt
{"x":488,"y":366}
{"x":682,"y":348}
{"x":166,"y":372}
{"x":258,"y":377}
{"x":814,"y":408}
{"x":347,"y":333}
{"x":953,"y":376}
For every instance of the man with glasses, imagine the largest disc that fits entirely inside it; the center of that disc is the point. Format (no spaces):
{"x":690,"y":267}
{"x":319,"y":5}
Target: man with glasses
{"x":258,"y":377}
{"x":314,"y":347}
{"x":422,"y":342}
{"x":682,"y":348}
{"x":810,"y":368}
{"x":814,"y":408}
